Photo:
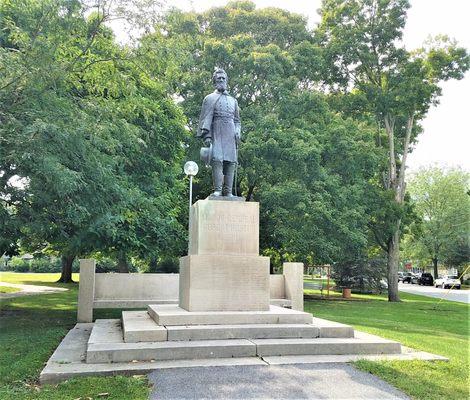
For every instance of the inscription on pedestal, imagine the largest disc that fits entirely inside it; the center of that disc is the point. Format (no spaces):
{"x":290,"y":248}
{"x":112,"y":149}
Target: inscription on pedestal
{"x":225,"y":228}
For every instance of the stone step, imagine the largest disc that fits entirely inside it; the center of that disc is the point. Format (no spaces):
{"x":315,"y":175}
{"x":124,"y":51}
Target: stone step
{"x":331,"y":329}
{"x":171,"y":315}
{"x":106,"y":345}
{"x":281,"y":303}
{"x":106,"y":331}
{"x":206,"y":349}
{"x":137,"y":326}
{"x":324,"y":346}
{"x":157,"y":351}
{"x":246,"y":331}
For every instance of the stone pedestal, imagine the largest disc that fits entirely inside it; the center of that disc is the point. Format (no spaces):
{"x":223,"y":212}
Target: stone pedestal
{"x":223,"y":271}
{"x":224,"y":227}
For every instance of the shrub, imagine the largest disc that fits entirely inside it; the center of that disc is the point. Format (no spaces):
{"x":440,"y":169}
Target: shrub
{"x":361,"y":275}
{"x":168,"y":265}
{"x":46,"y":264}
{"x":40,"y":264}
{"x":17,"y":264}
{"x":106,"y":265}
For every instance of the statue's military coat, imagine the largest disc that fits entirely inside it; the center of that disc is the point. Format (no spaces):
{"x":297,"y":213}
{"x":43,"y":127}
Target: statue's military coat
{"x":220,"y":121}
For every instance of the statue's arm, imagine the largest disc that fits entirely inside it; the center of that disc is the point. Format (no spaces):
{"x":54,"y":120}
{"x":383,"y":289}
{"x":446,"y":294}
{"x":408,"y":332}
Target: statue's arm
{"x":205,"y":120}
{"x":236,"y":120}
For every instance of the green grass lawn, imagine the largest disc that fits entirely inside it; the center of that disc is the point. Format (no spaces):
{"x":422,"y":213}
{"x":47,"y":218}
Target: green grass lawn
{"x":31,"y":327}
{"x":8,"y":289}
{"x":32,"y":278}
{"x":415,"y":322}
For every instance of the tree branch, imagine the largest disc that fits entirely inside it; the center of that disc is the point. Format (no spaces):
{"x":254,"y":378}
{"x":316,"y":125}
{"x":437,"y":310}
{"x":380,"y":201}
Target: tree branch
{"x":381,"y":243}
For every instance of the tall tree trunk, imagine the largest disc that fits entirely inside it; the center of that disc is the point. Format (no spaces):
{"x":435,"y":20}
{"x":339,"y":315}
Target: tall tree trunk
{"x":393,"y":255}
{"x":66,"y":274}
{"x":397,"y":184}
{"x":434,"y":263}
{"x":123,"y":266}
{"x":250,"y":192}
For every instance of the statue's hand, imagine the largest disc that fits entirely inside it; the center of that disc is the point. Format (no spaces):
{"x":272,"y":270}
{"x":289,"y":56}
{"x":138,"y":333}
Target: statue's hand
{"x":207,"y":141}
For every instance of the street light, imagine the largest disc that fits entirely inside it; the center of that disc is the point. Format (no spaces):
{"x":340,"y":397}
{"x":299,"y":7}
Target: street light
{"x":190,"y":169}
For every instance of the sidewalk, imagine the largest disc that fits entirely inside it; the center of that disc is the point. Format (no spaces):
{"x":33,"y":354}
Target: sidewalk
{"x":298,"y":381}
{"x":28,"y":290}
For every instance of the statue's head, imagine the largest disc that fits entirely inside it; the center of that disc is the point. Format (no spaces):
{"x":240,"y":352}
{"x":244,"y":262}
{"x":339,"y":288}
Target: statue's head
{"x":220,"y":79}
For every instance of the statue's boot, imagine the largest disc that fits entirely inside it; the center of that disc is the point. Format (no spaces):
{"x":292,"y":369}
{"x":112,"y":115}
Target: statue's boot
{"x":217,"y":177}
{"x":228,"y":179}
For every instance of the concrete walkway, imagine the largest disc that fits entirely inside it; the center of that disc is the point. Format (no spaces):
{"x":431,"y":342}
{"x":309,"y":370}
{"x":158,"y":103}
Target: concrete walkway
{"x":461,"y":296}
{"x":298,"y":381}
{"x":28,"y":290}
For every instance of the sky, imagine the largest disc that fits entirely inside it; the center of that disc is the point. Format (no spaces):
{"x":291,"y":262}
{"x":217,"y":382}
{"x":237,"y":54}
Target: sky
{"x":445,"y":140}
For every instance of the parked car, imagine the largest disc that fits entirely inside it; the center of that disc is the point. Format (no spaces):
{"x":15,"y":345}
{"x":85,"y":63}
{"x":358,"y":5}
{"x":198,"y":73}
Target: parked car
{"x":426,"y":279}
{"x":448,"y":281}
{"x":415,"y":279}
{"x":407,"y":276}
{"x":400,"y":276}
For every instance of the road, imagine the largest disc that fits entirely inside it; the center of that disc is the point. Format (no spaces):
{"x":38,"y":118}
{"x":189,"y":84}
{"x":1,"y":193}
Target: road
{"x":462,"y":296}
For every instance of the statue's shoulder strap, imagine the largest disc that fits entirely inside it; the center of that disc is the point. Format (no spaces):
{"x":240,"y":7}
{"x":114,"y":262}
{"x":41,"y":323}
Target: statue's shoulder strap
{"x":215,"y":103}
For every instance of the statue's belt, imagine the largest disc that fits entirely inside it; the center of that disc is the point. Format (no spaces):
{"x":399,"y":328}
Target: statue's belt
{"x":224,"y":116}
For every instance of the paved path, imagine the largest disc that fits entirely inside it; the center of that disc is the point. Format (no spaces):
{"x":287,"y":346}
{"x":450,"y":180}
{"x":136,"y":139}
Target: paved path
{"x":462,"y":296}
{"x":298,"y":381}
{"x":27,"y":290}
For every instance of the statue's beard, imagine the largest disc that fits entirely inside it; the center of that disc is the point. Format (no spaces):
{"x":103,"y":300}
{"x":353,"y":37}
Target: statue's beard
{"x":221,"y":86}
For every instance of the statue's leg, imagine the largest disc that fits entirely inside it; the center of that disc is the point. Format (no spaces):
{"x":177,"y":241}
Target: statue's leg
{"x":217,"y":177}
{"x":229,"y":172}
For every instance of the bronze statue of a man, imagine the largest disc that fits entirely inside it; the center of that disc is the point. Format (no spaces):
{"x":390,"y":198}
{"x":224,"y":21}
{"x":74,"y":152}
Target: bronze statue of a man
{"x":219,"y":126}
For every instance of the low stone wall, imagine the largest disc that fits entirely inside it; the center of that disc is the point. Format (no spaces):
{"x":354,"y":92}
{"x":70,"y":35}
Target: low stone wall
{"x":138,"y":290}
{"x":277,"y":286}
{"x":136,"y":286}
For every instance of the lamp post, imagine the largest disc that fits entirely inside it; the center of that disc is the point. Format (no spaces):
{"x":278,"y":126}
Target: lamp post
{"x":190,"y":169}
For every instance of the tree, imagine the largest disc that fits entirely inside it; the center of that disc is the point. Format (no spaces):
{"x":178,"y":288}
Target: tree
{"x":91,"y":143}
{"x":379,"y":77}
{"x":309,"y":168}
{"x":441,"y":199}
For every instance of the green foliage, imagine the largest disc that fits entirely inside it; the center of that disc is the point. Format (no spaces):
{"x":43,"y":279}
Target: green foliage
{"x":370,"y":72}
{"x":17,"y":264}
{"x":105,"y":264}
{"x":363,"y":275}
{"x":90,"y":141}
{"x":38,"y":265}
{"x":168,"y":265}
{"x":372,"y":77}
{"x":442,"y":203}
{"x":309,"y":168}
